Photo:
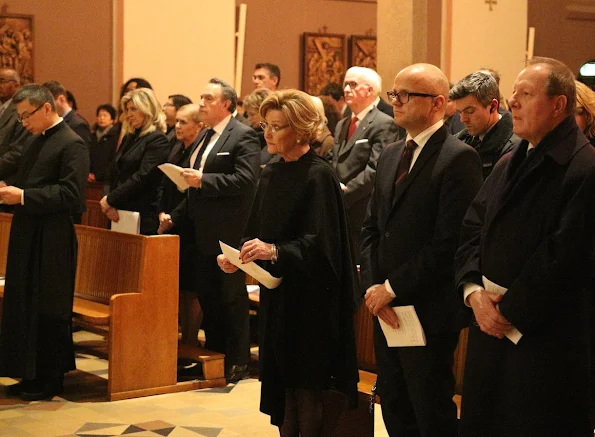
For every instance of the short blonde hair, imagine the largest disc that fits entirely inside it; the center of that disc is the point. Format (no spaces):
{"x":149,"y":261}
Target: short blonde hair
{"x":145,"y":101}
{"x":255,"y":98}
{"x":585,"y":99}
{"x":192,"y":109}
{"x":297,"y":106}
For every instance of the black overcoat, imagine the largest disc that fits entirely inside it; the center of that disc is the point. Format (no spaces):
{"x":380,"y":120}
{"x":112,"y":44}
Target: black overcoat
{"x":530,"y":230}
{"x":35,"y":336}
{"x":306,"y":328}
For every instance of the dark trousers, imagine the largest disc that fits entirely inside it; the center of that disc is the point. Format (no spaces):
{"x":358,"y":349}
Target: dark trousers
{"x":225,"y":306}
{"x":416,"y":386}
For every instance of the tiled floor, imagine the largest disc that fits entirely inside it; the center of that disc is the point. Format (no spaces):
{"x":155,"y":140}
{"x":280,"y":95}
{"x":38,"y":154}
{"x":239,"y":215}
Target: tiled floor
{"x":221,"y":412}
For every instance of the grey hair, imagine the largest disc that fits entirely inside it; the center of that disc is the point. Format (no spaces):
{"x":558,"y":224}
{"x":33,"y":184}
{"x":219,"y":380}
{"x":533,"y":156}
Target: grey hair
{"x":369,"y":76}
{"x":37,"y":95}
{"x":227,"y":92}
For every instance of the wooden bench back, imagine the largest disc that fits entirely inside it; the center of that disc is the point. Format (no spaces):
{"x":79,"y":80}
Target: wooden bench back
{"x":108,"y":263}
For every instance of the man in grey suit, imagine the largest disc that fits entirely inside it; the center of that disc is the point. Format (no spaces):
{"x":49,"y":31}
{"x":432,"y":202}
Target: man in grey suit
{"x":12,"y":133}
{"x":358,"y":143}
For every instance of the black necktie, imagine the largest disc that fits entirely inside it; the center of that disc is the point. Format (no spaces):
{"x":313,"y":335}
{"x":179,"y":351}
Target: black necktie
{"x":474,"y":141}
{"x":203,"y":147}
{"x":405,"y":163}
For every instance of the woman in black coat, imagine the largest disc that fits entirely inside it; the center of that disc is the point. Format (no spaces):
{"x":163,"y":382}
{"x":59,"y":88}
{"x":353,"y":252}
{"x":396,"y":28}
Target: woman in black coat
{"x":298,"y":231}
{"x":104,"y":143}
{"x":135,"y":179}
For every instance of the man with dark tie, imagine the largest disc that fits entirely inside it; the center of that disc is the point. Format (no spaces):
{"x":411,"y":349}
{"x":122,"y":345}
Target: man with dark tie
{"x":358,"y":143}
{"x":423,"y":187}
{"x":224,"y":168}
{"x":523,"y":264}
{"x":36,"y":336}
{"x":476,"y":98}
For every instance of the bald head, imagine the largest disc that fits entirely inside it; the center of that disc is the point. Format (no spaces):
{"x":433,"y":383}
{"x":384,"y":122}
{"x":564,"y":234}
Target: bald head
{"x":428,"y":88}
{"x":429,"y":77}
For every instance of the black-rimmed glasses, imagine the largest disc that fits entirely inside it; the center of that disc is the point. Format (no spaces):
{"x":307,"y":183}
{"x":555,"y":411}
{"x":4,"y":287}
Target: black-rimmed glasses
{"x":264,"y":126}
{"x":25,"y":116}
{"x":404,"y":96}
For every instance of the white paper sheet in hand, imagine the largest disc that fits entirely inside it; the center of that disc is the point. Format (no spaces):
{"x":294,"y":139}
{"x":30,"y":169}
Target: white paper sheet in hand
{"x":514,"y":334}
{"x":410,"y":331}
{"x":253,"y":269}
{"x":174,"y":172}
{"x":129,"y":222}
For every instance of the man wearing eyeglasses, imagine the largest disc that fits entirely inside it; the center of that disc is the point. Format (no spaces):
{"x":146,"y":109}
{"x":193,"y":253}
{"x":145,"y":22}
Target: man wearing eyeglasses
{"x":224,"y":165}
{"x":423,"y":187}
{"x":359,"y":139}
{"x":476,"y":98}
{"x":12,"y":133}
{"x":35,"y":337}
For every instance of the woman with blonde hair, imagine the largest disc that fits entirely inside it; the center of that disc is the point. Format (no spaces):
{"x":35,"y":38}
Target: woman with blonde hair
{"x":585,"y":110}
{"x":298,"y":231}
{"x":135,"y":177}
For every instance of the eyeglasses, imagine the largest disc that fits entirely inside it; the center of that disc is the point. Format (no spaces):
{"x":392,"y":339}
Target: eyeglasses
{"x":403,"y":96}
{"x":264,"y":126}
{"x":25,"y":115}
{"x":352,"y":84}
{"x":165,"y":105}
{"x":3,"y":81}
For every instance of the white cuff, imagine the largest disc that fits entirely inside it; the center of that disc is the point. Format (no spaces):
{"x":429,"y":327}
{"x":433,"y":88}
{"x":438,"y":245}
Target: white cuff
{"x":468,"y":289}
{"x":22,"y":197}
{"x":389,"y":289}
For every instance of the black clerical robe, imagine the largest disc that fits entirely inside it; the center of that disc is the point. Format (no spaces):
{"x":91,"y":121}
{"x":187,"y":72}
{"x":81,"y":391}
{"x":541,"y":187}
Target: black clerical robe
{"x":35,"y":335}
{"x":306,"y":328}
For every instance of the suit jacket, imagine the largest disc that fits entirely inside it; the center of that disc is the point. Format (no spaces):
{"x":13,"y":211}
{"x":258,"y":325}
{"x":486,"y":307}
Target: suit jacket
{"x":220,"y":207}
{"x":13,"y":137}
{"x":410,"y":235}
{"x":354,"y":160}
{"x":136,"y":178}
{"x":530,"y":230}
{"x":79,"y":125}
{"x":497,"y":142}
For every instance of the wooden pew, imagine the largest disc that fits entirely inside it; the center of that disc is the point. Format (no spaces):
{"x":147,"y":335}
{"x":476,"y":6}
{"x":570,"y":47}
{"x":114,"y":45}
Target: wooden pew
{"x":129,"y":285}
{"x":93,"y":216}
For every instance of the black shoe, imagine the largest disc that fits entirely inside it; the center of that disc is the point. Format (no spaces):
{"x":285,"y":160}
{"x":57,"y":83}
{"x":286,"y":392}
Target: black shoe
{"x":189,"y":370}
{"x":237,"y":373}
{"x":42,"y":390}
{"x":16,"y":389}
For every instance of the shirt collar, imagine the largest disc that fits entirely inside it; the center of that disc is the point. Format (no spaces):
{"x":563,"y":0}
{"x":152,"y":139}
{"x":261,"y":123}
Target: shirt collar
{"x":422,"y":138}
{"x":481,"y":137}
{"x":60,"y":119}
{"x":360,"y":116}
{"x":220,"y":127}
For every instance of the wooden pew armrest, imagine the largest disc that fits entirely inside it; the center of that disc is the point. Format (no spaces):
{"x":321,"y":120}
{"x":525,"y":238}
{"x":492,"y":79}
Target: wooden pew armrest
{"x":91,"y":312}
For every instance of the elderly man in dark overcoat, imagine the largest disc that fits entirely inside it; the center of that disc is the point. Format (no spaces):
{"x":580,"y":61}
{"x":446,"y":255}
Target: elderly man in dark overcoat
{"x":522,"y":267}
{"x":36,"y":336}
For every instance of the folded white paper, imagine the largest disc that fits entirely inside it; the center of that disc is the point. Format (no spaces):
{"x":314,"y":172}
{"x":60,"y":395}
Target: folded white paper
{"x":129,"y":222}
{"x":253,"y":269}
{"x":513,"y":335}
{"x":409,"y":333}
{"x":174,"y":172}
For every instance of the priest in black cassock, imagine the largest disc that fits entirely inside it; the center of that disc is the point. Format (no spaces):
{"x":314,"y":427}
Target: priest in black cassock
{"x":35,"y":335}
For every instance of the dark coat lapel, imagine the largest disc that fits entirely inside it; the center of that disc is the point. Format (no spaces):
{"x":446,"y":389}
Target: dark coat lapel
{"x":7,"y":114}
{"x":430,"y":148}
{"x":220,"y":142}
{"x":359,"y":131}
